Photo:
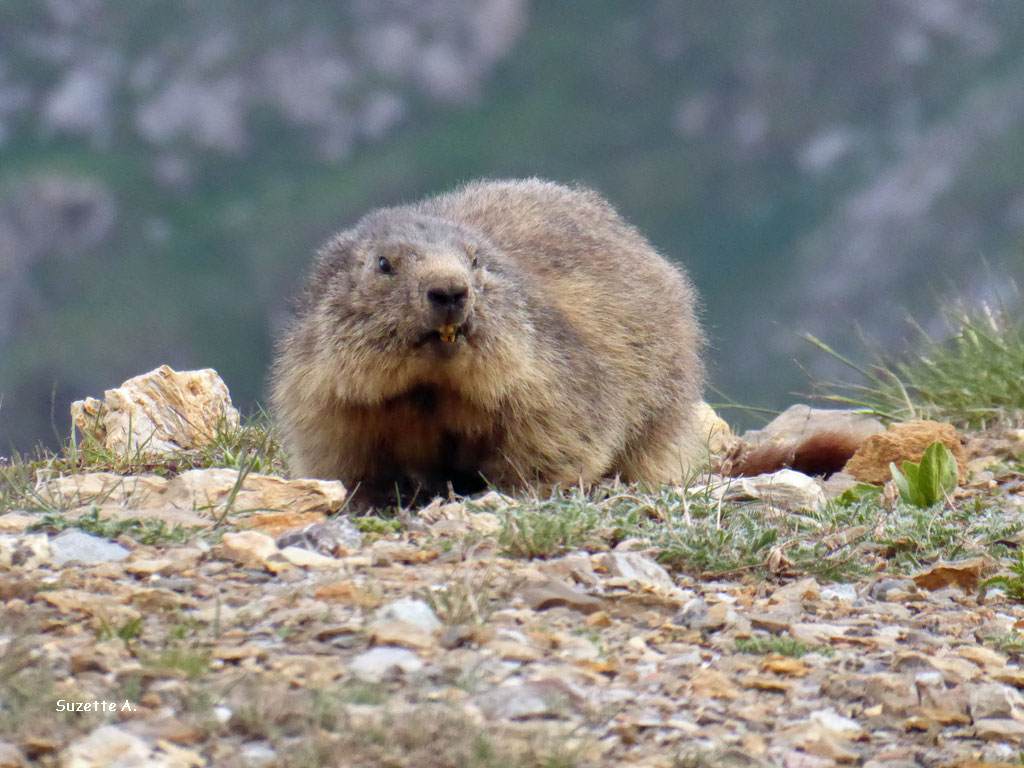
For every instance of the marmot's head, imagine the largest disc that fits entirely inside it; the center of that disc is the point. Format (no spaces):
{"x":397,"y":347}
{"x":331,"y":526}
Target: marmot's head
{"x":405,"y":296}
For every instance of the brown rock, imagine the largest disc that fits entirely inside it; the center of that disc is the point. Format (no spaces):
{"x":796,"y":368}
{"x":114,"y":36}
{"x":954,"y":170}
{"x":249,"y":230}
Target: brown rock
{"x":556,"y":593}
{"x":510,"y":650}
{"x":16,"y":522}
{"x":196,"y":489}
{"x":965,"y":574}
{"x":810,"y":440}
{"x":1003,"y":729}
{"x":276,"y":523}
{"x":11,"y":756}
{"x":348,"y":593}
{"x":249,"y":547}
{"x":903,"y":442}
{"x":401,"y":634}
{"x":158,"y":413}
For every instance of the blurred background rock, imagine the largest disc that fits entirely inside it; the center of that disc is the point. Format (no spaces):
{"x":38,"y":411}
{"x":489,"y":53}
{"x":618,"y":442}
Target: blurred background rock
{"x":166,"y":169}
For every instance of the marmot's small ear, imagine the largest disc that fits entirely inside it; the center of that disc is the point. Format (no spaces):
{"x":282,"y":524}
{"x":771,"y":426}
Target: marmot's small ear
{"x":339,"y":250}
{"x":334,"y":260}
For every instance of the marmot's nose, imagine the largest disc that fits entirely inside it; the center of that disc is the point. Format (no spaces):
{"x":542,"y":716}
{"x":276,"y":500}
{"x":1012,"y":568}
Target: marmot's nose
{"x":448,"y":298}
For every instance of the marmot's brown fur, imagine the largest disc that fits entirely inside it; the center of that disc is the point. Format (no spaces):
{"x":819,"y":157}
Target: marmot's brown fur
{"x":507,"y":333}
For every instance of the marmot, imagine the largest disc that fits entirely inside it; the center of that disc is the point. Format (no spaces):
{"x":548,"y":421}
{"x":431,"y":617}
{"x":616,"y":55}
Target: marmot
{"x":506,"y":334}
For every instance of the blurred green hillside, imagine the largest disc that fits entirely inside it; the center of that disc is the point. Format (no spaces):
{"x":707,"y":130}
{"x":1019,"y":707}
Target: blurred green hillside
{"x":167,"y":169}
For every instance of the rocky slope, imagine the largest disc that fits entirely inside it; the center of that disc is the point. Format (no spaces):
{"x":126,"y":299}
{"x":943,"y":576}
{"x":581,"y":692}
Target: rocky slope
{"x":160,"y":615}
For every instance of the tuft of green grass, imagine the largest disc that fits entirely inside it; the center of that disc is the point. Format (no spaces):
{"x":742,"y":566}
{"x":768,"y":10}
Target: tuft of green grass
{"x":971,"y":379}
{"x":142,"y":529}
{"x":467,"y":597}
{"x":549,"y":527}
{"x":692,"y":531}
{"x":1011,"y":643}
{"x":784,"y":645}
{"x":193,"y":662}
{"x":127,"y":632}
{"x":377,"y":525}
{"x":252,"y":446}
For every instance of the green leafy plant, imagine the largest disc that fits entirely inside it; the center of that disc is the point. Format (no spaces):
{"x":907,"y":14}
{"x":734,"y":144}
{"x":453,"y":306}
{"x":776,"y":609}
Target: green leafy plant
{"x":929,"y":481}
{"x":858,"y":493}
{"x":1012,"y":583}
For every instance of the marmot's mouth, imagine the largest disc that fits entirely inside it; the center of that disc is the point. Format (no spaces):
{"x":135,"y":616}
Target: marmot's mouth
{"x":446,"y":334}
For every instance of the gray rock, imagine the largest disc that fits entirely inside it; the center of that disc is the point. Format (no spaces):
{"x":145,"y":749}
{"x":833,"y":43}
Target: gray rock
{"x":74,"y":545}
{"x":543,"y":698}
{"x":376,"y":664}
{"x":328,"y":538}
{"x":555,"y":593}
{"x":108,"y":745}
{"x":693,"y":614}
{"x":999,"y":729}
{"x":992,"y":700}
{"x":259,"y":753}
{"x":786,"y":489}
{"x":847,"y":592}
{"x":411,"y":611}
{"x":638,"y":568}
{"x":881,"y":588}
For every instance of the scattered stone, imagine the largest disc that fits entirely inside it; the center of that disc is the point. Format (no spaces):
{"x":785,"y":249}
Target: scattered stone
{"x":513,"y":651}
{"x":281,"y":524}
{"x":494,"y":500}
{"x":213,"y":488}
{"x":693,"y":615}
{"x":206,"y":489}
{"x":144,"y":567}
{"x":16,"y":522}
{"x":903,"y":442}
{"x":401,"y":634}
{"x":846,"y":592}
{"x":786,"y":489}
{"x":109,"y":746}
{"x":993,"y":700}
{"x":844,"y":727}
{"x":349,"y":593}
{"x":880,"y":589}
{"x":304,"y":558}
{"x":455,"y":636}
{"x":638,"y":571}
{"x":251,"y":548}
{"x":609,"y":652}
{"x":544,"y":698}
{"x":159,"y":413}
{"x":27,"y":552}
{"x":11,"y":756}
{"x":377,"y":664}
{"x":813,"y":441}
{"x":259,"y":753}
{"x":554,"y":593}
{"x":75,"y":546}
{"x":965,"y":574}
{"x":999,"y":729}
{"x":334,"y":538}
{"x":409,"y":611}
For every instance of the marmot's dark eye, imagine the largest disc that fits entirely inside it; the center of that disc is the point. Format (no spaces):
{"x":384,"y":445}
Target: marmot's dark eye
{"x":474,"y":261}
{"x":384,"y":266}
